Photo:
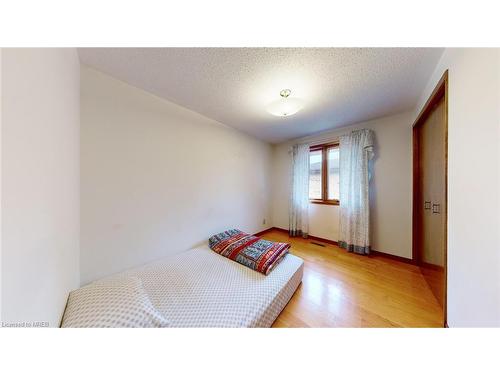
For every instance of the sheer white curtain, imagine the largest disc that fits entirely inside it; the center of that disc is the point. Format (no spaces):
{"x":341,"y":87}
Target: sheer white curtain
{"x":356,"y":150}
{"x":299,"y":197}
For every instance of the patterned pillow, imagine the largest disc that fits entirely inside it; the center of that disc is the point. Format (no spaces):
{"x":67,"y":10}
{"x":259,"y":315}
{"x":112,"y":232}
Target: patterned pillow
{"x":112,"y":304}
{"x":251,"y":251}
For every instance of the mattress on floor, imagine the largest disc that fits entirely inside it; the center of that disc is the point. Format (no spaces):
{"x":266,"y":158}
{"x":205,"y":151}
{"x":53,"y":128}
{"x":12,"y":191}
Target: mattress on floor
{"x":199,"y":288}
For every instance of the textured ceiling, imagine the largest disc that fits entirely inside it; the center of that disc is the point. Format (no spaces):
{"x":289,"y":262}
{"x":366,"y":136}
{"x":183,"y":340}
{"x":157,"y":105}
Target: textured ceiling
{"x":340,"y":86}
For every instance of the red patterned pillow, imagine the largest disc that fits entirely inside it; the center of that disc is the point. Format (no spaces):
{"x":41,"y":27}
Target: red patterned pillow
{"x":251,"y":251}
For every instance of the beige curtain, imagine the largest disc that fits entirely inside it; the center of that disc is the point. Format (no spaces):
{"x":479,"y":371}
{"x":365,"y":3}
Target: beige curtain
{"x":299,"y":197}
{"x":356,"y":150}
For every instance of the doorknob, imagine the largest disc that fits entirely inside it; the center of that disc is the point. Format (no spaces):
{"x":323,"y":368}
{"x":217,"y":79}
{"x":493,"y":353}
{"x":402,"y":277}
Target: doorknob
{"x":436,"y":208}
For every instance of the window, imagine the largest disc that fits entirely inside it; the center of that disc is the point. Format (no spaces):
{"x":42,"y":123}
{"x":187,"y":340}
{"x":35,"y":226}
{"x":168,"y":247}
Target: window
{"x":315,"y":174}
{"x":333,"y":173}
{"x":324,"y":174}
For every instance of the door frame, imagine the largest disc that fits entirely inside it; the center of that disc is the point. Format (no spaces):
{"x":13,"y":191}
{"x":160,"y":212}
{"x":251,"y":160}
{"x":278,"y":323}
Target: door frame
{"x":439,"y":92}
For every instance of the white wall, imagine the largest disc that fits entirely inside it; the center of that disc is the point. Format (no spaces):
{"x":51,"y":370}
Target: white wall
{"x":158,"y":179}
{"x":390,"y":187}
{"x":473,"y":184}
{"x":1,"y":240}
{"x":40,"y":182}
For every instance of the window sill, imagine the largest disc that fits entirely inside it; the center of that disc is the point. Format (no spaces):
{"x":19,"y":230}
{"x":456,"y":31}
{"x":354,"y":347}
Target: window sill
{"x":319,"y":201}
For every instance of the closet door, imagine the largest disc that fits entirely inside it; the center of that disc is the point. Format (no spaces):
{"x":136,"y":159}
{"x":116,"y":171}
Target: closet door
{"x":433,"y":194}
{"x":430,"y":200}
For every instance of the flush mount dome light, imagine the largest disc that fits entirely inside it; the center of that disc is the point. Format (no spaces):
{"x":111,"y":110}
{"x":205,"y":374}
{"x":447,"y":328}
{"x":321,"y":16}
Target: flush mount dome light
{"x":285,"y":106}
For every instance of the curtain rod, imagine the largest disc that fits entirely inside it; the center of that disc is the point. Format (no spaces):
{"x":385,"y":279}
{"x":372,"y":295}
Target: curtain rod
{"x":325,"y":139}
{"x":316,"y":142}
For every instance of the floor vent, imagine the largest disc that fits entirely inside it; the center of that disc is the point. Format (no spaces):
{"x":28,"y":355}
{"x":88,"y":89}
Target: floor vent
{"x":318,"y":244}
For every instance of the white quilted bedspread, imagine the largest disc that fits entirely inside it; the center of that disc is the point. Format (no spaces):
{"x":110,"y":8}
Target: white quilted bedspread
{"x":199,"y":288}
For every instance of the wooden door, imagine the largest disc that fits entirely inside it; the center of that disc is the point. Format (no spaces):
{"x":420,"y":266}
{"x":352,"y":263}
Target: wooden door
{"x":430,"y":200}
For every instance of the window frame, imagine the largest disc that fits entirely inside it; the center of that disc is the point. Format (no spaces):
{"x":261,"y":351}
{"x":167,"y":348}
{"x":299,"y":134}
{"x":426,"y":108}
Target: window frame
{"x":324,"y":173}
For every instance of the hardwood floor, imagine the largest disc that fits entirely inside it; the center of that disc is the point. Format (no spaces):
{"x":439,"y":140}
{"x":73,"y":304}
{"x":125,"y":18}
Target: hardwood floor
{"x":340,"y":289}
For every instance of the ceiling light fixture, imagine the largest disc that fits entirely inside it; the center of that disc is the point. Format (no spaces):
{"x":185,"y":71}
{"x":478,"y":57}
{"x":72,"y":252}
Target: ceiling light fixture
{"x":285,"y":106}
